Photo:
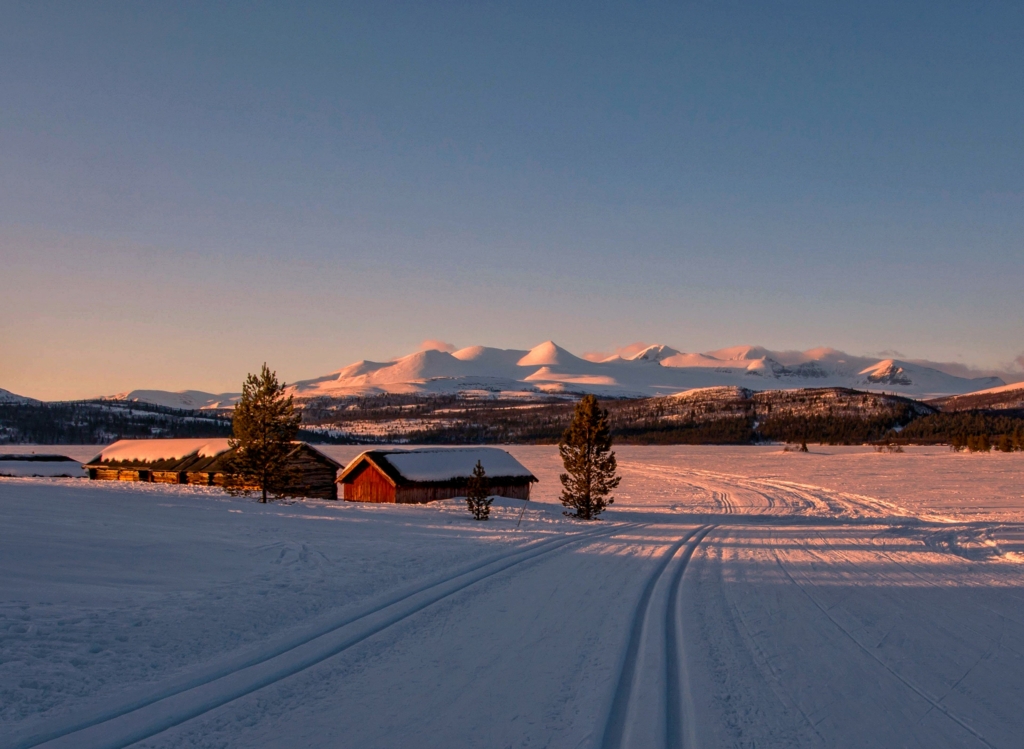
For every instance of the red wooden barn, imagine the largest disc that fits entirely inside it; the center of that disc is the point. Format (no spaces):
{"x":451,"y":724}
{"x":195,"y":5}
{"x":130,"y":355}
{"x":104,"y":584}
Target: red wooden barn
{"x":426,"y":474}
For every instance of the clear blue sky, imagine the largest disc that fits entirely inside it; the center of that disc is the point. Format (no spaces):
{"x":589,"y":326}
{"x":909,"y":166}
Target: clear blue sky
{"x":187,"y":190}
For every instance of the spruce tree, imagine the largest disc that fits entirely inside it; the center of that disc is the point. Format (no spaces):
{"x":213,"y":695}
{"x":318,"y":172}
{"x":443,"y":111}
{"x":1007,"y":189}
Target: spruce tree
{"x":264,"y":425}
{"x":589,"y":462}
{"x":478,"y":493}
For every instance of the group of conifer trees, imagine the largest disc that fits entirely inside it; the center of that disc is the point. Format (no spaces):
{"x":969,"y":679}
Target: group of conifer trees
{"x":962,"y":429}
{"x":982,"y":443}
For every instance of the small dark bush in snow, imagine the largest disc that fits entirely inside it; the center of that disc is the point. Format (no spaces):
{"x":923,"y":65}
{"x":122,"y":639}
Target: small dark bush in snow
{"x":477,"y":491}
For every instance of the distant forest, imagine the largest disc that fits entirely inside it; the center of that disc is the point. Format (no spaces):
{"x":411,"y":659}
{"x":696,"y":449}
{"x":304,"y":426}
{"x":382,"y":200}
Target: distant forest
{"x":101,"y":422}
{"x":717,"y":416}
{"x":722,"y":416}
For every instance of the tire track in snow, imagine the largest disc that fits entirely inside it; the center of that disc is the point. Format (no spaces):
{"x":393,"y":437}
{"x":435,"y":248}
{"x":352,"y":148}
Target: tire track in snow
{"x":678,"y":702}
{"x":144,"y":718}
{"x":936,"y":704}
{"x":618,"y":715}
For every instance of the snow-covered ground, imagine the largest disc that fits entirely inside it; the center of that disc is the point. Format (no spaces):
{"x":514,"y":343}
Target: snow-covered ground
{"x":733,"y":597}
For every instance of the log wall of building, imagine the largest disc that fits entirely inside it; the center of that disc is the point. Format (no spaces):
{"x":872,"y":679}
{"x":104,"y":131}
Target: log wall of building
{"x":312,"y":476}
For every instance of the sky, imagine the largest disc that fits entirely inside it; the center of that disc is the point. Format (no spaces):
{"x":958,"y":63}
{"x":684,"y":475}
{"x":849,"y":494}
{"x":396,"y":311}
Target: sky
{"x":188,"y":190}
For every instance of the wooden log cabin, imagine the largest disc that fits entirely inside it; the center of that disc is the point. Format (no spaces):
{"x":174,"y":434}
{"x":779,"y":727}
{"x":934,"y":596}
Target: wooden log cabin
{"x":427,"y":474}
{"x":207,"y":462}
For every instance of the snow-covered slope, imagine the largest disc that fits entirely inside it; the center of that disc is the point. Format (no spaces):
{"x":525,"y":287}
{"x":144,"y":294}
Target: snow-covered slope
{"x":657,"y":370}
{"x":1002,"y":398}
{"x":6,"y":396}
{"x":185,"y":399}
{"x":1012,"y":387}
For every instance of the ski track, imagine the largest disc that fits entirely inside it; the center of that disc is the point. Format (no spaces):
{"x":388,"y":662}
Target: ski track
{"x":833,"y":509}
{"x":935,"y":702}
{"x":678,"y":707}
{"x":208,"y":693}
{"x":618,"y":721}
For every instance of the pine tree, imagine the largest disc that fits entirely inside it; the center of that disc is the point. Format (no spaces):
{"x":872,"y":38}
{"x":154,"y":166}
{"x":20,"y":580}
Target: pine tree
{"x":589,"y":462}
{"x":264,"y":425}
{"x":478,"y":493}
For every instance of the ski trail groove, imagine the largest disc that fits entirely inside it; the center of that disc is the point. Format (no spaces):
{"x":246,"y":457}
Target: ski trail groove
{"x":936,"y":704}
{"x":675,"y":699}
{"x":615,"y":727}
{"x":212,"y":691}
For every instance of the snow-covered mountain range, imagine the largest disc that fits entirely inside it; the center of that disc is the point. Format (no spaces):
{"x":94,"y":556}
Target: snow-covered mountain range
{"x":657,"y":370}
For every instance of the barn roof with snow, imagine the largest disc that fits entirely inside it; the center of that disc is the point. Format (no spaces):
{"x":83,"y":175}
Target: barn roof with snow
{"x":163,"y":454}
{"x":426,"y":474}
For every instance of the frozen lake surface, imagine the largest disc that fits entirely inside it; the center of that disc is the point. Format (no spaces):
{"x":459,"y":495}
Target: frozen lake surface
{"x":732,"y":597}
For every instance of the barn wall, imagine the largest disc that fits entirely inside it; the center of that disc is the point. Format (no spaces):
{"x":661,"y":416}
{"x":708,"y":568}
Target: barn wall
{"x":368,"y":486}
{"x":421,"y":494}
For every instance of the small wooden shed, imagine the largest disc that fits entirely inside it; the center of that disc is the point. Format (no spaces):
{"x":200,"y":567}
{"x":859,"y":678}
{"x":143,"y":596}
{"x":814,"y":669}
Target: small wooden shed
{"x":207,"y":462}
{"x":427,"y":474}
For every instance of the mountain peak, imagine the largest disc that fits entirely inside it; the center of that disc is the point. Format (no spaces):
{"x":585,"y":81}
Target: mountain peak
{"x":547,"y":354}
{"x":734,"y":353}
{"x":6,"y":396}
{"x":657,"y":352}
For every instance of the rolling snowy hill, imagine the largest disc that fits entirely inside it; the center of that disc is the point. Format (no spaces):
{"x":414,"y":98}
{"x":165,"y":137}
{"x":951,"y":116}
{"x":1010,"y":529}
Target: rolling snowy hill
{"x":9,"y":398}
{"x":189,"y":400}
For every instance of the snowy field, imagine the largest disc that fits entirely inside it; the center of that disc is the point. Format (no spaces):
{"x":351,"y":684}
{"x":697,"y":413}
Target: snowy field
{"x":733,"y":597}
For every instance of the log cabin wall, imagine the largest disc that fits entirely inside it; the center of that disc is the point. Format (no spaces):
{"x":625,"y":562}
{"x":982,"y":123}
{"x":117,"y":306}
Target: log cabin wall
{"x":513,"y":491}
{"x":312,"y":473}
{"x":316,"y":480}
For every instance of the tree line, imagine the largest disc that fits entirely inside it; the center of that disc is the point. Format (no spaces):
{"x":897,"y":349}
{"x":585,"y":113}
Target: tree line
{"x":99,"y":422}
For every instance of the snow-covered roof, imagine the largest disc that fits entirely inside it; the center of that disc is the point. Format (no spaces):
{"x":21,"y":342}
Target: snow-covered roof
{"x":435,"y":464}
{"x":150,"y":451}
